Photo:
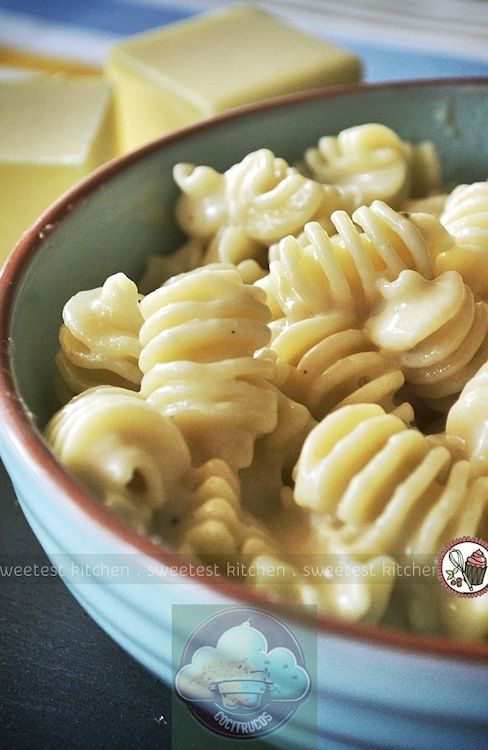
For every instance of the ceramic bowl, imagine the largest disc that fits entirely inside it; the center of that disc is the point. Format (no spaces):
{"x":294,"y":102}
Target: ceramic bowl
{"x":375,"y":686}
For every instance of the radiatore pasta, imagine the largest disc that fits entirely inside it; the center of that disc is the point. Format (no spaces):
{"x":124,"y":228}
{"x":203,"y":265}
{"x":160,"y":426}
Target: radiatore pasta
{"x":123,"y":450}
{"x":465,"y":216}
{"x":436,"y":331}
{"x":200,"y":333}
{"x":387,"y":488}
{"x":100,"y":337}
{"x":301,"y":386}
{"x":376,"y":163}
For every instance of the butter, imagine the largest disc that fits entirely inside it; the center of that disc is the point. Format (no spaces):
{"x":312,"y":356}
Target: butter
{"x":173,"y":76}
{"x":53,"y":131}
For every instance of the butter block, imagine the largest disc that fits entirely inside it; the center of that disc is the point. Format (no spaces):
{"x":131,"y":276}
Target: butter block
{"x":53,"y":131}
{"x":173,"y":76}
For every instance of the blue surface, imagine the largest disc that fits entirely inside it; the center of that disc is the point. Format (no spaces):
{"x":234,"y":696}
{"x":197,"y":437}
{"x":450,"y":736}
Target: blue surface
{"x":393,"y":63}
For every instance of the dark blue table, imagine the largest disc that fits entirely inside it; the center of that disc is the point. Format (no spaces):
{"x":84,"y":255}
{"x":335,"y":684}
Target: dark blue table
{"x":64,"y":684}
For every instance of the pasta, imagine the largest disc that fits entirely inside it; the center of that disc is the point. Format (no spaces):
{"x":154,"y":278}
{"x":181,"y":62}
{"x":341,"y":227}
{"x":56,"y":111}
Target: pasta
{"x":300,"y":388}
{"x":199,"y":337}
{"x":255,"y":203}
{"x":275,"y":455}
{"x":323,"y":273}
{"x":387,"y":487}
{"x":467,"y":421}
{"x":338,"y":582}
{"x":467,"y":618}
{"x":201,"y":209}
{"x":374,"y":161}
{"x":270,"y":199}
{"x":332,"y":365}
{"x":160,"y":268}
{"x":232,"y":244}
{"x":465,"y":216}
{"x":100,"y":337}
{"x":216,"y":529}
{"x":122,"y":450}
{"x":438,"y":353}
{"x":363,"y":598}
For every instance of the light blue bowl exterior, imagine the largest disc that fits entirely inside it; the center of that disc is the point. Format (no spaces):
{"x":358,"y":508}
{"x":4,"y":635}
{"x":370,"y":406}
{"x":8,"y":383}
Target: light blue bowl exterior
{"x":369,"y":694}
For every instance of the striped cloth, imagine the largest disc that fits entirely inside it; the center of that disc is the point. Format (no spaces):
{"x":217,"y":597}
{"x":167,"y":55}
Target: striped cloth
{"x":395,"y":39}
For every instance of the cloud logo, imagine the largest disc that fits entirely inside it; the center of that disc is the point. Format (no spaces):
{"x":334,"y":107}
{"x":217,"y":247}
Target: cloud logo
{"x":290,"y":681}
{"x":243,"y":678}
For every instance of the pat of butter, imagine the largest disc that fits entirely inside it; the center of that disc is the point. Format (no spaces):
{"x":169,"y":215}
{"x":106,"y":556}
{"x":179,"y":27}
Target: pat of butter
{"x":53,"y":131}
{"x":178,"y":74}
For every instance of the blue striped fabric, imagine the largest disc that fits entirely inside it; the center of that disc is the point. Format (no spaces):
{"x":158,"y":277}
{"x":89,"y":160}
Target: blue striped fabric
{"x":83,"y":30}
{"x":108,"y":16}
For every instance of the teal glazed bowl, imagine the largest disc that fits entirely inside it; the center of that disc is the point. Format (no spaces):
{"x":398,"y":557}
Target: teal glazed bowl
{"x":376,"y":687}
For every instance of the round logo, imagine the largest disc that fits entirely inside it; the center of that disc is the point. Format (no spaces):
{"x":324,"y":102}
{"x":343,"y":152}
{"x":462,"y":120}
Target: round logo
{"x":461,"y":566}
{"x":242,"y":673}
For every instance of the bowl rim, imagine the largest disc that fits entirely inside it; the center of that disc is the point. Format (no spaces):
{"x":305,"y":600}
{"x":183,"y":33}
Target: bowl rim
{"x":28,"y":440}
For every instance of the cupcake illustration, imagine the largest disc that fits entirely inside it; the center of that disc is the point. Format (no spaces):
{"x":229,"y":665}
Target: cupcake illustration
{"x":475,"y":567}
{"x":461,"y":566}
